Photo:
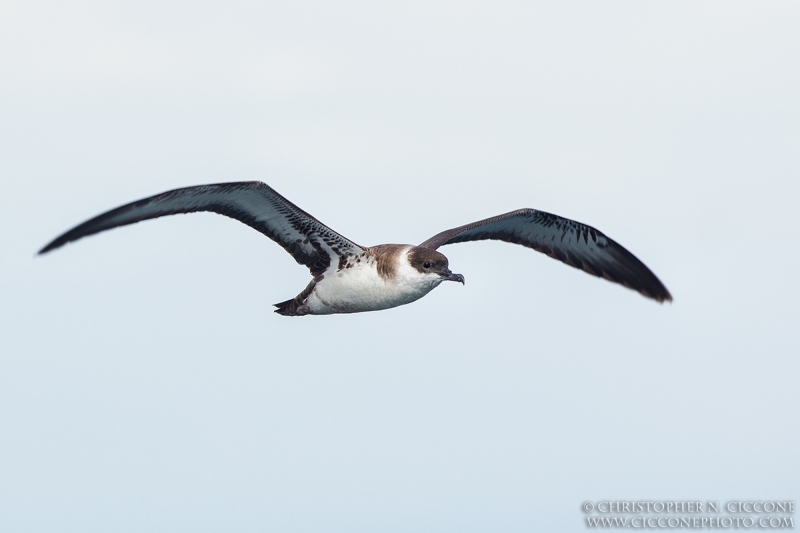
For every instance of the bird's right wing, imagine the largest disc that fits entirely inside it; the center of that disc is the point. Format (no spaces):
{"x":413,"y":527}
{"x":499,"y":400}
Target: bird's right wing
{"x":570,"y":242}
{"x":256,"y":204}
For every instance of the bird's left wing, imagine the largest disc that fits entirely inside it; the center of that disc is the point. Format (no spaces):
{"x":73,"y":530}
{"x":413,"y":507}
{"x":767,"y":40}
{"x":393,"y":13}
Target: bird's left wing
{"x":570,"y":242}
{"x":256,"y":204}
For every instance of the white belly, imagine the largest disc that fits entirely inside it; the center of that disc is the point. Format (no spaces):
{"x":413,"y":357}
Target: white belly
{"x":361,"y":288}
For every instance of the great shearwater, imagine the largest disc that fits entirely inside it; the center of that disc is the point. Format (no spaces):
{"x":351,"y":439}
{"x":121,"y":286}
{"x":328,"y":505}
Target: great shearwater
{"x":348,"y":278}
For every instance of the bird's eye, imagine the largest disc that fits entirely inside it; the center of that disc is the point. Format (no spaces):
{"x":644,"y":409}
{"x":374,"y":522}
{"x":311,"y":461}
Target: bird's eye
{"x":426,"y":264}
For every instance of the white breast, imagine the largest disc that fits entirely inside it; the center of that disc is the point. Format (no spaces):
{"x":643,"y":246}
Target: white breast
{"x":362,"y":288}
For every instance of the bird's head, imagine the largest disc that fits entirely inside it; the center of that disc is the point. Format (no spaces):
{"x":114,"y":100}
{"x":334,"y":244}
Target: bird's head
{"x":431,"y":263}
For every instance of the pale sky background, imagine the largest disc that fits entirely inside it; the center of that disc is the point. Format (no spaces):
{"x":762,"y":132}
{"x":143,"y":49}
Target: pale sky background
{"x":146,"y":385}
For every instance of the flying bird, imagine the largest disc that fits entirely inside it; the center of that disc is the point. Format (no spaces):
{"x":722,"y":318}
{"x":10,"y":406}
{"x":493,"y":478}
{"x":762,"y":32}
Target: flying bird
{"x":349,"y":278}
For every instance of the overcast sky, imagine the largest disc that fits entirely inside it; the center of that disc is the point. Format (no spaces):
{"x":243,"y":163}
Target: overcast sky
{"x":146,"y":384}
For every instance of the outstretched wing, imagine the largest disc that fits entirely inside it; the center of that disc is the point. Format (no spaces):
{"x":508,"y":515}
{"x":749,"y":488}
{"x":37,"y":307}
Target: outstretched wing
{"x":256,"y":204}
{"x":570,"y":242}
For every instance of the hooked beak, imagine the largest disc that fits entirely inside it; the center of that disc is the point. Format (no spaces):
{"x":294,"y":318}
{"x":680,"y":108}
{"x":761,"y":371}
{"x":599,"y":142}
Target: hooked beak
{"x":449,"y":276}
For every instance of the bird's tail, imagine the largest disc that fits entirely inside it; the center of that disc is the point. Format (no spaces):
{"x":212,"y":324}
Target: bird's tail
{"x":296,"y":306}
{"x":288,"y":308}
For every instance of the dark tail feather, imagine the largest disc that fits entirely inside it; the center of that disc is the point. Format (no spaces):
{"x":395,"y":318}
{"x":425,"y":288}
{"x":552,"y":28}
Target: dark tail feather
{"x":291,"y":307}
{"x":288,"y":308}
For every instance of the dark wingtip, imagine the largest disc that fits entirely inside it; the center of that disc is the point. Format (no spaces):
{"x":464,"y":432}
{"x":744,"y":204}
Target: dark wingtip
{"x":57,"y":243}
{"x":46,"y":249}
{"x":661,"y":295}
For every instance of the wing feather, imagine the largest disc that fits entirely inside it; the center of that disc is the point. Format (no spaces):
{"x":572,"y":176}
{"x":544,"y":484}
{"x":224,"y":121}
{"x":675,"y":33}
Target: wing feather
{"x":309,"y":241}
{"x":570,"y":242}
